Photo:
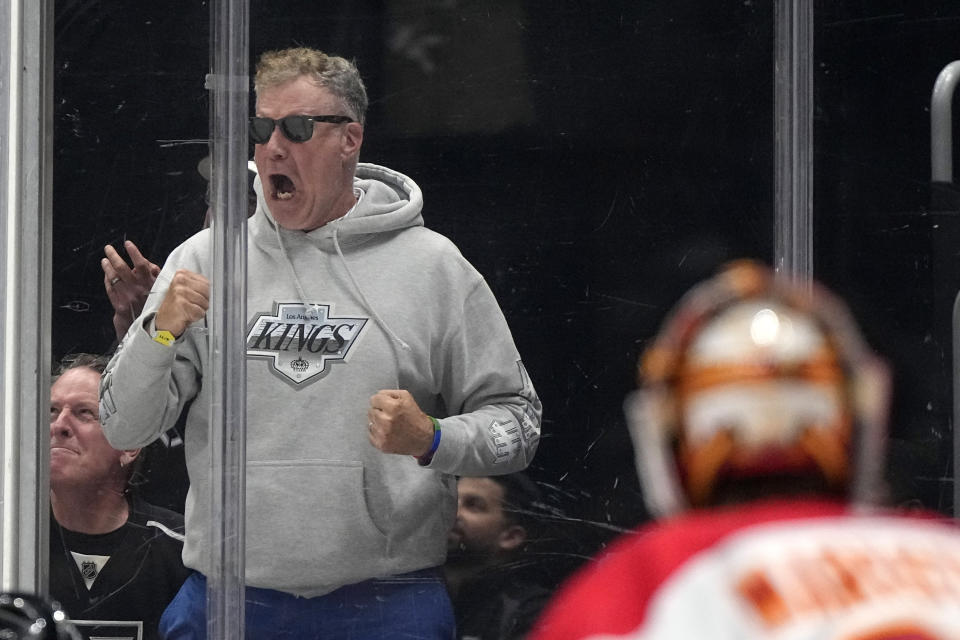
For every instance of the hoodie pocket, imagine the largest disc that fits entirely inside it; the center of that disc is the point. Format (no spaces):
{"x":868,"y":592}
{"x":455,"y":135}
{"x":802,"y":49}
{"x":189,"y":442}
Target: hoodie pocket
{"x":308,"y":526}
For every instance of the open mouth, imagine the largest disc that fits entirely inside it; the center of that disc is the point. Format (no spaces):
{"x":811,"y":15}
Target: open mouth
{"x":283,"y":187}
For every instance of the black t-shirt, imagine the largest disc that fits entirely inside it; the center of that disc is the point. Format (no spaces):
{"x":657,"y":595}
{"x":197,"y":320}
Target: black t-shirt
{"x":118,"y":584}
{"x":499,"y":603}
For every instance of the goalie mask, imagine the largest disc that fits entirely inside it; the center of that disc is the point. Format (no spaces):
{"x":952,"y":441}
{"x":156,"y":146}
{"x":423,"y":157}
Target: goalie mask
{"x":757,"y":385}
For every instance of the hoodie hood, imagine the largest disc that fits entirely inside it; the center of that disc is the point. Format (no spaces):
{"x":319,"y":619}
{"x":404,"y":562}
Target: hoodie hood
{"x":387,"y":201}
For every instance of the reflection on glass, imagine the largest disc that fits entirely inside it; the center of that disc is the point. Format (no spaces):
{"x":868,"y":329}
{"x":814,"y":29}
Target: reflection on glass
{"x":591,"y":163}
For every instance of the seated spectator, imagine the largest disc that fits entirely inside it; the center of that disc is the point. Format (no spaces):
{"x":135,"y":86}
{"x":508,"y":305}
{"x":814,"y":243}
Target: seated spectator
{"x":758,"y":431}
{"x":495,"y":592}
{"x":114,"y":559}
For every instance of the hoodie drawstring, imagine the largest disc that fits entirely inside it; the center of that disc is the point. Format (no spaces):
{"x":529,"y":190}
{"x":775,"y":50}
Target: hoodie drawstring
{"x":286,"y":258}
{"x":363,"y":298}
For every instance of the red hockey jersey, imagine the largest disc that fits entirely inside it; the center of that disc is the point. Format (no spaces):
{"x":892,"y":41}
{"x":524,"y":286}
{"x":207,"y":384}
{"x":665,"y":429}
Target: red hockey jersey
{"x":790,"y":570}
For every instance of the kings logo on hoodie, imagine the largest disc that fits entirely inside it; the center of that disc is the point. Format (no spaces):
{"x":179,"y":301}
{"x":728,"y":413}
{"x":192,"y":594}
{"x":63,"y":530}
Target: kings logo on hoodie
{"x":301,"y":339}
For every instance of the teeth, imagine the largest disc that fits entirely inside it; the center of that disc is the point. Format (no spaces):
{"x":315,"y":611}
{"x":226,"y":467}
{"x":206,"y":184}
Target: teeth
{"x":284,"y":195}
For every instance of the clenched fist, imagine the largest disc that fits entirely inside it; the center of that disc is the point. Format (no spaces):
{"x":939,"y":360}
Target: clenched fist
{"x":186,"y":301}
{"x":397,"y":425}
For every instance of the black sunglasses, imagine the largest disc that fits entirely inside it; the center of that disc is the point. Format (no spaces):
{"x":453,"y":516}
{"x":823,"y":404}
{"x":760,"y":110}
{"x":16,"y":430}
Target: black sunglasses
{"x":295,"y":128}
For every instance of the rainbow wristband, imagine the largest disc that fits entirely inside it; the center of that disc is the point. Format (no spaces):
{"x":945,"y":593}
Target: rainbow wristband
{"x":428,"y":456}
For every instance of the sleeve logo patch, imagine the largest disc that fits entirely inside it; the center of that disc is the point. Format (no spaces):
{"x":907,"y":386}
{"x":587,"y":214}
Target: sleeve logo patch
{"x":505,"y":441}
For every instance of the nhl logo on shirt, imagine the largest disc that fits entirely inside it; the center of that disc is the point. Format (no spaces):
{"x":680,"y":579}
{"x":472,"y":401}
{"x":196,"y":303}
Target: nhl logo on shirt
{"x":300,"y":340}
{"x":88,"y":570}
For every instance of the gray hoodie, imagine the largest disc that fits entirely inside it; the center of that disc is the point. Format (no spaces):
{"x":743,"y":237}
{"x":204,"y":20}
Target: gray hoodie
{"x":370,"y":301}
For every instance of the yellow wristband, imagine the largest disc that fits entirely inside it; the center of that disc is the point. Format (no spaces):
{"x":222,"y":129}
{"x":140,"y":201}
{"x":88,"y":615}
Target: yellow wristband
{"x":165,"y":338}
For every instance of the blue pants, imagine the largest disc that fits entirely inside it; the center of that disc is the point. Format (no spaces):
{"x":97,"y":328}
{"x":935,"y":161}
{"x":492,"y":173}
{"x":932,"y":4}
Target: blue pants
{"x":411,"y":606}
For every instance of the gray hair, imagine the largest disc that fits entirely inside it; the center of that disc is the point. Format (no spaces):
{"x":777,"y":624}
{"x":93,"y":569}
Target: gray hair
{"x":94,"y":361}
{"x":339,"y":75}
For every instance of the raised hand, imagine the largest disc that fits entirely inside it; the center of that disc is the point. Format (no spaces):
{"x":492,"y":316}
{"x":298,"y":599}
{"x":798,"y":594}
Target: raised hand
{"x":127,"y":287}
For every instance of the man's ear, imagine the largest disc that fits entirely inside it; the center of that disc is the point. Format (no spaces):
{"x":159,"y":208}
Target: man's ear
{"x":512,"y":538}
{"x":351,"y":139}
{"x":127,"y":456}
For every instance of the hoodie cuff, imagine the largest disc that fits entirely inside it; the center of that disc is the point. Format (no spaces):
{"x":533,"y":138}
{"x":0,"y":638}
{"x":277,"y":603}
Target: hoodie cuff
{"x":427,"y":458}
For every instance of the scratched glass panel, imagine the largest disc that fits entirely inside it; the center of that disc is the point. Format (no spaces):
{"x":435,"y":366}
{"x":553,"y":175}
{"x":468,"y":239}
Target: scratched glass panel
{"x":592,"y":160}
{"x":130,"y":125}
{"x":886,"y":235}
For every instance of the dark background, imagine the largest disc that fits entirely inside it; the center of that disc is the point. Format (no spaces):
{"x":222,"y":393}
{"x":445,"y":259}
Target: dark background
{"x":592,"y":159}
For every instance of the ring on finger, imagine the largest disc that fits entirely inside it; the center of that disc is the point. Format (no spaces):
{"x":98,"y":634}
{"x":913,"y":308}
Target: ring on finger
{"x":114,"y":280}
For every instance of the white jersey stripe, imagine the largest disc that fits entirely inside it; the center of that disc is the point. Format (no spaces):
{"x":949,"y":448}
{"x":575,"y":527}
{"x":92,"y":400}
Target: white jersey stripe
{"x":167,"y":530}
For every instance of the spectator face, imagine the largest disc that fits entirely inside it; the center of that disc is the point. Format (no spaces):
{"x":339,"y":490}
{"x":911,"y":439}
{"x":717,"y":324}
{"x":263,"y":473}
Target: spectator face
{"x":79,"y":452}
{"x":481,"y":525}
{"x":307,"y":184}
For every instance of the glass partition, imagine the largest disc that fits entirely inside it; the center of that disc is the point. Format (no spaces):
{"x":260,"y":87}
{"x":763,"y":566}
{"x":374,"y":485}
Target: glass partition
{"x":25,"y":229}
{"x":229,"y":94}
{"x":885,"y":233}
{"x":592,"y":162}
